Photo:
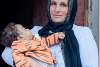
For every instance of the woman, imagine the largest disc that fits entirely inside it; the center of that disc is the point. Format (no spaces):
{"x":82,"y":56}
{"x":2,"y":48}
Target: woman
{"x":78,"y":48}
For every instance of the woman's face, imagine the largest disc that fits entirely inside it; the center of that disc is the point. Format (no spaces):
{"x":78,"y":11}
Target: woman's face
{"x":23,"y":33}
{"x":58,"y":10}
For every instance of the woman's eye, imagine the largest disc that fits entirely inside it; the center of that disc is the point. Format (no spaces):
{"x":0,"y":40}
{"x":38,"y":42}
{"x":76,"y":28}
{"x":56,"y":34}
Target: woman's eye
{"x":53,"y":3}
{"x":63,"y":5}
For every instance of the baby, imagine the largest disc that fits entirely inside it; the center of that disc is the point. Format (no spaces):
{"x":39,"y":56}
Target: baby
{"x":30,"y":51}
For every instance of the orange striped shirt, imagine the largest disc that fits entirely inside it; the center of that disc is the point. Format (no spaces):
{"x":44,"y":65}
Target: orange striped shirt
{"x":34,"y":48}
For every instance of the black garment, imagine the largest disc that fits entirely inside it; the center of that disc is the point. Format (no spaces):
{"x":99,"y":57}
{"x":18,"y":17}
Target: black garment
{"x":71,"y":46}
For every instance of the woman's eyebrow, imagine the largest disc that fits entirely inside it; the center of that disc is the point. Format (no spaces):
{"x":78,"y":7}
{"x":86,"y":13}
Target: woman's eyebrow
{"x":63,"y":3}
{"x":53,"y":2}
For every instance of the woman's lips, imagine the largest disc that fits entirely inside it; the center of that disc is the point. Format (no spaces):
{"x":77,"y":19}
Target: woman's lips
{"x":57,"y":16}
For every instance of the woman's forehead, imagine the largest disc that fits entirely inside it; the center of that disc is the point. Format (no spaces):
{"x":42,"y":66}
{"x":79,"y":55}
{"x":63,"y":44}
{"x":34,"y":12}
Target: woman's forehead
{"x":65,"y":1}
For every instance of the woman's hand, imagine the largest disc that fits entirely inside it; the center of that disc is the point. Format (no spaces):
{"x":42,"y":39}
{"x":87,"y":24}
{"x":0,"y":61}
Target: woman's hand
{"x":61,"y":35}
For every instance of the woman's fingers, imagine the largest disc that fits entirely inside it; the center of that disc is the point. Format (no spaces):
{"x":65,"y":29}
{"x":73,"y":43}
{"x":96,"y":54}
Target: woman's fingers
{"x":61,"y":35}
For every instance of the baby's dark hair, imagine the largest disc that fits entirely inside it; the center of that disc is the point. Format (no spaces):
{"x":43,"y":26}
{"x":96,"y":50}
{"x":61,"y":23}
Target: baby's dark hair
{"x":8,"y":35}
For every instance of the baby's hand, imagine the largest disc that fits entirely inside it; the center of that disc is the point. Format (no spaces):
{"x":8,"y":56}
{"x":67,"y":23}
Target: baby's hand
{"x":61,"y":35}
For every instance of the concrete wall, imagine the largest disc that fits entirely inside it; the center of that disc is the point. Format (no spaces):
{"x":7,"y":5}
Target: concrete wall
{"x":94,"y":18}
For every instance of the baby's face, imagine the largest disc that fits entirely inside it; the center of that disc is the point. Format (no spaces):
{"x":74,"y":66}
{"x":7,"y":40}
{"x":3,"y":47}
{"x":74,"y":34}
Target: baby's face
{"x":23,"y":33}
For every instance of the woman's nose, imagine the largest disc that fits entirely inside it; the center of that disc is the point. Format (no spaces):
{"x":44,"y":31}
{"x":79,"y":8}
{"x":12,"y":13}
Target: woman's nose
{"x":57,"y":9}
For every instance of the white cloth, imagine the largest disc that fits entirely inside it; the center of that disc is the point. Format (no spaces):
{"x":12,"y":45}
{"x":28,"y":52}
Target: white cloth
{"x":7,"y":56}
{"x":87,"y":46}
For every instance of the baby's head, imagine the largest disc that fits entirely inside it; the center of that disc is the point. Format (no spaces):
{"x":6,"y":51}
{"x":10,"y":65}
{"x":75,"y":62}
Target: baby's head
{"x":8,"y":35}
{"x":23,"y":33}
{"x":14,"y":32}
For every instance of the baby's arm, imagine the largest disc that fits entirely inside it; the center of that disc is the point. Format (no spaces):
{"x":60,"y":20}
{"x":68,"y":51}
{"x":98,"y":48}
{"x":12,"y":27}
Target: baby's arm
{"x":53,"y":39}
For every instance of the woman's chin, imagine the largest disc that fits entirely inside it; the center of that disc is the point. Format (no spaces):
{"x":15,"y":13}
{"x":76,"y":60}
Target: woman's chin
{"x":58,"y":21}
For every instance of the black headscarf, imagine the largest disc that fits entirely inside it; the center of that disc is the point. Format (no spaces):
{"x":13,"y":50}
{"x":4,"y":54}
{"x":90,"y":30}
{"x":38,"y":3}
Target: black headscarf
{"x":70,"y":45}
